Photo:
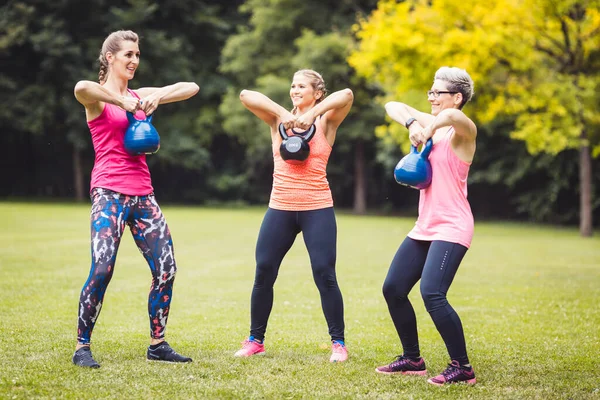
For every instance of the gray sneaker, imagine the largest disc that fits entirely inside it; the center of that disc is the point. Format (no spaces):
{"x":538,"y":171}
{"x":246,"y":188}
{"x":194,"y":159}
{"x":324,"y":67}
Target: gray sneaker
{"x":164,"y":352}
{"x":83,"y":357}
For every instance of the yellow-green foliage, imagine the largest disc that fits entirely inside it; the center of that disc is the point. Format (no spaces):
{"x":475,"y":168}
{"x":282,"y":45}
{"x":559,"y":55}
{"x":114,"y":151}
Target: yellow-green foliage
{"x":535,"y":61}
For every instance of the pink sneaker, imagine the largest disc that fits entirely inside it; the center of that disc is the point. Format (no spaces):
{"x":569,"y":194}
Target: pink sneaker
{"x":339,"y":353}
{"x":455,"y":373}
{"x":250,"y":347}
{"x":404,"y":366}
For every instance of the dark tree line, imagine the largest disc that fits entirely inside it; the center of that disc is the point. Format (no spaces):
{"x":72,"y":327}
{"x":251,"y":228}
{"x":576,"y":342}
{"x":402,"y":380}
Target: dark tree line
{"x":213,"y":150}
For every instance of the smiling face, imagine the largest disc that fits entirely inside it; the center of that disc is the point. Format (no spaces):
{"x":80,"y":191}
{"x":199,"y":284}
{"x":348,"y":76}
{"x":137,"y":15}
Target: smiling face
{"x":124,"y":62}
{"x":440,"y":99}
{"x":302,"y":93}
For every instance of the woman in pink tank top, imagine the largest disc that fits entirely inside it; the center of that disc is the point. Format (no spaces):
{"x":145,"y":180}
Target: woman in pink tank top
{"x":435,"y":247}
{"x":122,"y":193}
{"x":300,"y":202}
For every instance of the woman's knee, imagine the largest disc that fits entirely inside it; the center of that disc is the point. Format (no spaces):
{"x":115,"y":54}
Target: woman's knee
{"x":433,"y":299}
{"x":392,"y":291}
{"x":97,"y":281}
{"x":324,"y":276}
{"x":172,"y":272}
{"x":266,"y":273}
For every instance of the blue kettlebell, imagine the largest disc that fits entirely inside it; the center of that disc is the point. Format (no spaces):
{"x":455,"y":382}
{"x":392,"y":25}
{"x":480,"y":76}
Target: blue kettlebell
{"x":141,"y":137}
{"x":414,"y":169}
{"x":295,"y":149}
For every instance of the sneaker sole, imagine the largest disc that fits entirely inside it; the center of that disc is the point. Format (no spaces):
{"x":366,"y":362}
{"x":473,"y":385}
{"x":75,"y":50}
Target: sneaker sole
{"x":167,"y":361}
{"x":420,"y":373}
{"x":467,"y":382}
{"x":262,"y":353}
{"x":87,"y":366}
{"x":338,"y":361}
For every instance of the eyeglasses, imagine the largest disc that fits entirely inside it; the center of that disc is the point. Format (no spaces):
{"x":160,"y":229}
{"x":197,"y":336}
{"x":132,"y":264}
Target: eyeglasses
{"x":436,"y":94}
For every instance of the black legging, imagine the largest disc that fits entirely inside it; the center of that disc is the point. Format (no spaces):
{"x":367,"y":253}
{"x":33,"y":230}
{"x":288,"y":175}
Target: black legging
{"x":435,"y":263}
{"x":277,"y":234}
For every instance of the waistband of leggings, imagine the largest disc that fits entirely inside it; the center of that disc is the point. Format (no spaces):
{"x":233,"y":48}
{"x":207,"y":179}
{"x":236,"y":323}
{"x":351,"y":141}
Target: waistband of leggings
{"x":103,"y":191}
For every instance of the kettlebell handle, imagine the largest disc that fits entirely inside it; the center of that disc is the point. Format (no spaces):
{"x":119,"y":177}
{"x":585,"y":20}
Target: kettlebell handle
{"x":131,"y":118}
{"x":311,"y":132}
{"x":282,"y":132}
{"x":425,"y":150}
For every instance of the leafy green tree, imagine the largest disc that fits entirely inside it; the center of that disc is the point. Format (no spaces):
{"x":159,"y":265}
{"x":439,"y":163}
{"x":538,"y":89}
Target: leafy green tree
{"x":535,"y":63}
{"x":283,"y":36}
{"x":46,"y":47}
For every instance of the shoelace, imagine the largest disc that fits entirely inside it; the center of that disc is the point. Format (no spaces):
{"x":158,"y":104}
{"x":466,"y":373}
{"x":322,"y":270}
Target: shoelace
{"x":400,"y":360}
{"x":163,"y":348}
{"x":338,"y":348}
{"x":451,"y":372}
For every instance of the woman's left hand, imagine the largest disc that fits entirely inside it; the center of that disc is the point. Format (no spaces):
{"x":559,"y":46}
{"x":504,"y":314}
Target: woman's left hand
{"x":305,"y":121}
{"x":426,"y":133}
{"x":150,"y":103}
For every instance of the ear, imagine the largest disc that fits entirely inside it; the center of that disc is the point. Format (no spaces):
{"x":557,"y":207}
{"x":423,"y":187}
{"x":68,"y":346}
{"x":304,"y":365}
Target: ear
{"x":318,"y":95}
{"x":458,"y":98}
{"x":109,"y":57}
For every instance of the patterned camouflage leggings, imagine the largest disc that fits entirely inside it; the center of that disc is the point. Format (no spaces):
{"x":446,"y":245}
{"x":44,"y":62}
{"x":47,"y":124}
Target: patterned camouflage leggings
{"x":110,"y":212}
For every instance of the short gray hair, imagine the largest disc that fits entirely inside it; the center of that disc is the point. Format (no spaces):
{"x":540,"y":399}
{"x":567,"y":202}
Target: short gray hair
{"x":458,"y":81}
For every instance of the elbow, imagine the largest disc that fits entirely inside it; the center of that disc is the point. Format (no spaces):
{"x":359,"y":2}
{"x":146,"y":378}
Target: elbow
{"x":348,"y":94}
{"x":81,"y":87}
{"x":244,"y":94}
{"x":195,"y":88}
{"x":393,"y":106}
{"x":390,"y":105}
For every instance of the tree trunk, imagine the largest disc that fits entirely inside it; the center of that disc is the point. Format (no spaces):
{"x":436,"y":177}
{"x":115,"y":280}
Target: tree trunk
{"x":360,"y":189}
{"x":77,"y":175}
{"x":585,"y":185}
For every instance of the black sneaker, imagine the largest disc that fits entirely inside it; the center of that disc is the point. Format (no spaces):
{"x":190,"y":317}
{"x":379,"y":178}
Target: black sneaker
{"x":403,"y":365}
{"x":83,"y":358}
{"x":455,"y":373}
{"x":164,"y":352}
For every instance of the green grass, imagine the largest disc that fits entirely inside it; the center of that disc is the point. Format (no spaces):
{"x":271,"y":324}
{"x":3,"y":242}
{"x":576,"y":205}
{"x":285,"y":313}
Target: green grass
{"x":527,"y":296}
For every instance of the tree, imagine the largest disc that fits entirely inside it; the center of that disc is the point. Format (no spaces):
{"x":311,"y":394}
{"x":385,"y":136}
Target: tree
{"x":46,"y":47}
{"x":282,"y":37}
{"x":535,"y":63}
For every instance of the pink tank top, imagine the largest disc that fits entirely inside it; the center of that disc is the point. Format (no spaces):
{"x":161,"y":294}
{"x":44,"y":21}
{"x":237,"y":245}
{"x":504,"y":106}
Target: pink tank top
{"x":444,"y":211}
{"x":114,"y":168}
{"x":302,"y":187}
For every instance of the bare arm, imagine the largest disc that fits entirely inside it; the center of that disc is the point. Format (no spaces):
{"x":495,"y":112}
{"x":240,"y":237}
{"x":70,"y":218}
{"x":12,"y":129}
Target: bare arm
{"x":401,"y":113}
{"x":266,"y":109}
{"x":463,"y":126}
{"x":91,"y":94}
{"x":153,"y":96}
{"x":334,"y":110}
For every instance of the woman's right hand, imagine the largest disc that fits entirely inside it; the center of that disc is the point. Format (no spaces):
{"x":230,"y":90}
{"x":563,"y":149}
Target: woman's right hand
{"x":288,"y":120}
{"x":129,"y":103}
{"x":414,"y":134}
{"x":304,"y":121}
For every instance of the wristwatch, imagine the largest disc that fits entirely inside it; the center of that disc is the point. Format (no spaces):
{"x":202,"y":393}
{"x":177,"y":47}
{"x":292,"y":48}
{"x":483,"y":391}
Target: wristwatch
{"x":409,"y":122}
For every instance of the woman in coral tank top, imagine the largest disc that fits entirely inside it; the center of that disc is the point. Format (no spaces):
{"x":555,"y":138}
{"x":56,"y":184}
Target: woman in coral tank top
{"x":436,"y":245}
{"x":122,"y":193}
{"x":300,"y":202}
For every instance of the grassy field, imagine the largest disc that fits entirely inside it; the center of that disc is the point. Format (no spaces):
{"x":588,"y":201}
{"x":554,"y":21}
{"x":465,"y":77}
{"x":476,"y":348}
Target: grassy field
{"x":528,"y":297}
